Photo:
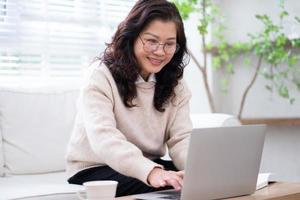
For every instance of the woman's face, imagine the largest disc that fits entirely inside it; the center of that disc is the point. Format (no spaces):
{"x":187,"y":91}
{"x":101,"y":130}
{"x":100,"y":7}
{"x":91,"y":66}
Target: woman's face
{"x":158,"y":33}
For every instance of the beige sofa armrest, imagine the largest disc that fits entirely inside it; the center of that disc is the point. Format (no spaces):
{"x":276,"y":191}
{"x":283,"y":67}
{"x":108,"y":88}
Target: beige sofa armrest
{"x":207,"y":120}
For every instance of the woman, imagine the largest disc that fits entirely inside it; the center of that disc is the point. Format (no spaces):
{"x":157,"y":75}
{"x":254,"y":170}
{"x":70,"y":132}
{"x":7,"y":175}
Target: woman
{"x":134,"y":104}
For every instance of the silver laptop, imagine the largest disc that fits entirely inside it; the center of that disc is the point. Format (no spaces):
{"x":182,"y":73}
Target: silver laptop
{"x":222,"y":162}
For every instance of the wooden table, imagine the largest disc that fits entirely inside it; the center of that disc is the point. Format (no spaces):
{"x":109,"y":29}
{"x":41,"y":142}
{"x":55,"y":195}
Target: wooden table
{"x":275,"y":191}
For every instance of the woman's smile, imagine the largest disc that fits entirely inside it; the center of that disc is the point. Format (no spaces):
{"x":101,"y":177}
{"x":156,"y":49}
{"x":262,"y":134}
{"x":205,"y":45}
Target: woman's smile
{"x":155,"y":61}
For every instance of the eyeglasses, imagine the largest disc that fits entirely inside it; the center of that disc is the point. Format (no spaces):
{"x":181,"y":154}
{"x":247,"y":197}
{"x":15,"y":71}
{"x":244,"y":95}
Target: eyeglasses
{"x":151,"y":45}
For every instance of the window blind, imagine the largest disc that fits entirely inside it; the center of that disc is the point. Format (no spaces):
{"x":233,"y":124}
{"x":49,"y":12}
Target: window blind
{"x":55,"y":38}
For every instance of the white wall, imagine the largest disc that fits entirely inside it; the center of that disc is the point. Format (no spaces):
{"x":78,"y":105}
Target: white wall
{"x":193,"y":76}
{"x":281,"y":153}
{"x":240,"y":16}
{"x":260,"y":103}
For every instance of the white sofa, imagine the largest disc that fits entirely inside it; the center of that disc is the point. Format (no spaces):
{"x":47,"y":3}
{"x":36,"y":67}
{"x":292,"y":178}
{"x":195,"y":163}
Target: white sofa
{"x":35,"y":125}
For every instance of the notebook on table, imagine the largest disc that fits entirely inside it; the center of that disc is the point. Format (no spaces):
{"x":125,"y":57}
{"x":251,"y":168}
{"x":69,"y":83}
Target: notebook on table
{"x":222,"y":162}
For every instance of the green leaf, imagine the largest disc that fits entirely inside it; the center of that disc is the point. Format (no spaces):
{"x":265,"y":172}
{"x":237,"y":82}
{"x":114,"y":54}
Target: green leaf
{"x":209,"y":46}
{"x":264,"y":19}
{"x":268,"y":76}
{"x":185,"y":7}
{"x":239,"y":47}
{"x":224,"y":56}
{"x":202,"y":28}
{"x":296,"y":42}
{"x":281,"y":40}
{"x":247,"y":61}
{"x":283,"y":91}
{"x":223,"y":46}
{"x":283,"y":14}
{"x":216,"y":62}
{"x":229,"y":68}
{"x":292,"y":60}
{"x":268,"y":87}
{"x":260,"y":17}
{"x":292,"y":100}
{"x":298,"y":86}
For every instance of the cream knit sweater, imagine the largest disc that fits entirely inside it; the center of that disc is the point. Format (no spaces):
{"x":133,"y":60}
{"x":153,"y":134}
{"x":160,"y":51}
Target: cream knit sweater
{"x":106,"y":132}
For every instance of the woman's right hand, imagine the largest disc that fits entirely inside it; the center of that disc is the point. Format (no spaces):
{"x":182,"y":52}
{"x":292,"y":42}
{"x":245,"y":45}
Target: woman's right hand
{"x":159,"y":177}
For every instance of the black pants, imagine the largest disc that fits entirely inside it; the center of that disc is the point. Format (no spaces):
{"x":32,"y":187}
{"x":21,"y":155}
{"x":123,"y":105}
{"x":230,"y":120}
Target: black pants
{"x":126,"y":185}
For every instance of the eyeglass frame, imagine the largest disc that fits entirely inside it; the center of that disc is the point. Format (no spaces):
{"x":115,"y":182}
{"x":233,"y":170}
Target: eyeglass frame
{"x":159,"y":44}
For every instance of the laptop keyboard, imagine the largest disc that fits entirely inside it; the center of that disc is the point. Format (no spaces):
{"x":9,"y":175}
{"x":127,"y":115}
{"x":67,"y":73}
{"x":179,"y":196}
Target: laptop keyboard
{"x":163,"y":195}
{"x":170,"y":194}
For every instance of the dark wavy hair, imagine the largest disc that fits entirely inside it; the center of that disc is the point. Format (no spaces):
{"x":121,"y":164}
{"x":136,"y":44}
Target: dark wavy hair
{"x":119,"y":54}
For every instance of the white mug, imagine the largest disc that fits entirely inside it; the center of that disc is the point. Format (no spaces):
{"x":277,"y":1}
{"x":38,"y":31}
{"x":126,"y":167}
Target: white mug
{"x":95,"y":190}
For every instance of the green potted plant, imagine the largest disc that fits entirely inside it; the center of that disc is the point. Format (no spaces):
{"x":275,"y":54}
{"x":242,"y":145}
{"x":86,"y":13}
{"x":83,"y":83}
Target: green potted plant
{"x":276,"y":56}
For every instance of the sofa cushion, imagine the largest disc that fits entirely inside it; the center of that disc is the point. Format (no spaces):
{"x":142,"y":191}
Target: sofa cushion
{"x":22,"y":186}
{"x":208,"y":120}
{"x":36,"y":124}
{"x":1,"y":154}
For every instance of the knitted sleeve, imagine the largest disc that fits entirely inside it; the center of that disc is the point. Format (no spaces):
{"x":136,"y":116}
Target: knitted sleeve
{"x":181,"y":128}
